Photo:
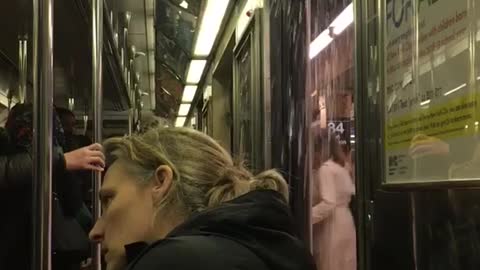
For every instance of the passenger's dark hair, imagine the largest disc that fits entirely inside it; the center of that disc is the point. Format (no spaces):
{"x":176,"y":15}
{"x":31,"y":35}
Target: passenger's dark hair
{"x":19,"y":126}
{"x":62,"y":112}
{"x":317,"y":144}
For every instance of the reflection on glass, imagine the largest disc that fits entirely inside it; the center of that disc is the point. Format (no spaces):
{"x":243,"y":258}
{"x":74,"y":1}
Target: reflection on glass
{"x":333,"y":226}
{"x":245,"y":85}
{"x":332,"y":97}
{"x":431,"y":111}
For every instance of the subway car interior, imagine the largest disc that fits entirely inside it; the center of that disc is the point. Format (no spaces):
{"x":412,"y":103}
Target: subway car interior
{"x":342,"y":97}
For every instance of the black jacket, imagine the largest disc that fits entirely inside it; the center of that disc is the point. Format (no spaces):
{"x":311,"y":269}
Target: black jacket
{"x":85,"y":178}
{"x":16,"y":201}
{"x":252,"y":232}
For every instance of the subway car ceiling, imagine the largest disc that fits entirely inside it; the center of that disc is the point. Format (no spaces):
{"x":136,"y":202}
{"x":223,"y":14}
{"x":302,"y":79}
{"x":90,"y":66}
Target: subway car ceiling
{"x":165,"y":49}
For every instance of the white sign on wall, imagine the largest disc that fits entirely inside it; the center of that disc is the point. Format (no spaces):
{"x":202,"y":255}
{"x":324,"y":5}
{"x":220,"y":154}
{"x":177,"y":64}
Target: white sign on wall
{"x":431,"y":93}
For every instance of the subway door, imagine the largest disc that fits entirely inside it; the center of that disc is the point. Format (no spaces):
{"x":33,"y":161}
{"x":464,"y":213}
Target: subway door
{"x":221,"y":100}
{"x":384,"y":217}
{"x":248,"y":116}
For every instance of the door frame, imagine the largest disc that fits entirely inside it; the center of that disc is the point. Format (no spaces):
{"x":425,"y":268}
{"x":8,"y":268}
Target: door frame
{"x":250,"y":40}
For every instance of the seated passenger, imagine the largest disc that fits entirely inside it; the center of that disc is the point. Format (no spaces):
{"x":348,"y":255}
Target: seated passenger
{"x":174,"y":199}
{"x":16,"y":167}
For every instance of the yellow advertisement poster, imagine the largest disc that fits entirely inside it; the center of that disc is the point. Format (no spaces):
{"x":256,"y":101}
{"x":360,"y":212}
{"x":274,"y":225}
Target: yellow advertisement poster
{"x":431,"y":91}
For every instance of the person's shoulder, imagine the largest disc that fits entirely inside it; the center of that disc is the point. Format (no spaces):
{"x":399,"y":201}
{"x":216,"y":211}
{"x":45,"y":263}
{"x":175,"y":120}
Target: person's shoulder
{"x":3,"y":135}
{"x":4,"y":141}
{"x":195,"y":252}
{"x":83,"y":140}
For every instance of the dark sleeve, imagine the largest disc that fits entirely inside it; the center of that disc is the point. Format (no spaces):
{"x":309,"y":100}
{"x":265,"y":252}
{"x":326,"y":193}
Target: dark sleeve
{"x":70,"y":193}
{"x":16,"y":169}
{"x":83,"y":140}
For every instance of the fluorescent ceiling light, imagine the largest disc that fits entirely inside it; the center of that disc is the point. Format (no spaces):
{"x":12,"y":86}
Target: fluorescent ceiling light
{"x":180,"y":121}
{"x":195,"y":71}
{"x":184,"y":109}
{"x":71,"y":104}
{"x":189,"y":93}
{"x":455,"y":89}
{"x":343,"y":20}
{"x":210,"y":25}
{"x":426,"y":102}
{"x":320,"y":43}
{"x":4,"y":99}
{"x":184,"y":4}
{"x":338,"y":25}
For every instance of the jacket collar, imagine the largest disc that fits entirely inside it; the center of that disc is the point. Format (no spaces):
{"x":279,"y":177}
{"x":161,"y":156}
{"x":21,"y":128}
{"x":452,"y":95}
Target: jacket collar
{"x":132,"y":251}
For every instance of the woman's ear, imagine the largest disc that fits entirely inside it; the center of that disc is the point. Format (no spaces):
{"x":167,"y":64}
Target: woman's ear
{"x":162,"y":182}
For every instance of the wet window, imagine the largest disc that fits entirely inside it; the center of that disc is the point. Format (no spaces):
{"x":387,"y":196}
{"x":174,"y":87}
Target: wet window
{"x":422,"y":94}
{"x":332,"y":129}
{"x":430,"y":105}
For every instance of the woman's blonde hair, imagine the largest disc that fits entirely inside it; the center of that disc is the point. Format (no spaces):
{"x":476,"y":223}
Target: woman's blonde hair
{"x":204,"y":174}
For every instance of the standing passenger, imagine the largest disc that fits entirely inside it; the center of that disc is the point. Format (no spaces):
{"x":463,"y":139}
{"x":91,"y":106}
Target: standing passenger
{"x":72,"y":142}
{"x":334,"y":243}
{"x":174,"y":199}
{"x":16,"y":167}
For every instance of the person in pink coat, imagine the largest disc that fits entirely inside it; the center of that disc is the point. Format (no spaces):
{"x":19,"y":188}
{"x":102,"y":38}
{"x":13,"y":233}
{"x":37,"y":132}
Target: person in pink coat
{"x":334,"y":240}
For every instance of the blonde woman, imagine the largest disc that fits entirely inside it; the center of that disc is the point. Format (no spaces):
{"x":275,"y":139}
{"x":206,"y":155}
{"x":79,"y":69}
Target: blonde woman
{"x":174,"y":199}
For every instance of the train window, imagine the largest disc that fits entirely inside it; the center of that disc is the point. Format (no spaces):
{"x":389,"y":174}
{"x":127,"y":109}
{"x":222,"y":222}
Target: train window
{"x":244,"y":88}
{"x":332,"y":129}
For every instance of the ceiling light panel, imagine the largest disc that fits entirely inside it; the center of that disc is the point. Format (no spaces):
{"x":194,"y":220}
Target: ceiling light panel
{"x":184,"y":109}
{"x":195,"y":71}
{"x":210,"y":26}
{"x":189,"y":93}
{"x":180,"y":122}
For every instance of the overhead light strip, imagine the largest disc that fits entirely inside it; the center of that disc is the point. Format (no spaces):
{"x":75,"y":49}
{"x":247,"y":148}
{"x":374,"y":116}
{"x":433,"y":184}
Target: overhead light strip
{"x":344,"y":20}
{"x":184,"y":4}
{"x":189,"y":93}
{"x":4,"y":99}
{"x":184,"y":109}
{"x":210,"y":26}
{"x":195,"y":71}
{"x":426,"y":102}
{"x":180,"y":122}
{"x":455,"y":89}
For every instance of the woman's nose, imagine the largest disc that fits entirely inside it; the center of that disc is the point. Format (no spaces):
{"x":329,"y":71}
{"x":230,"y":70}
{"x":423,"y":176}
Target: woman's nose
{"x":96,"y":234}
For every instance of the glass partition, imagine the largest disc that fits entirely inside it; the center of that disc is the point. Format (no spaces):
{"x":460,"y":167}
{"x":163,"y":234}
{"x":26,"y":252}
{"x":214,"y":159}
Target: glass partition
{"x":417,"y":81}
{"x":332,"y":128}
{"x":431,"y":92}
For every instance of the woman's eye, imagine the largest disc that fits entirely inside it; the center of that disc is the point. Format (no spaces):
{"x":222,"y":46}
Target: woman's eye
{"x":106,"y":202}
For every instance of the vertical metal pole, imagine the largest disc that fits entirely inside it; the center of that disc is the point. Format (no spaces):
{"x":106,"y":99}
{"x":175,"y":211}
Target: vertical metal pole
{"x":130,"y":121}
{"x":42,"y":141}
{"x":25,"y":70}
{"x":97,"y":94}
{"x":22,"y":66}
{"x":310,"y":137}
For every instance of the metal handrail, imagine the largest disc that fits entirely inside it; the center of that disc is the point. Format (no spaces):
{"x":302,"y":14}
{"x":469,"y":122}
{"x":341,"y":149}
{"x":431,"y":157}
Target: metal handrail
{"x":97,"y":94}
{"x":42,"y":141}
